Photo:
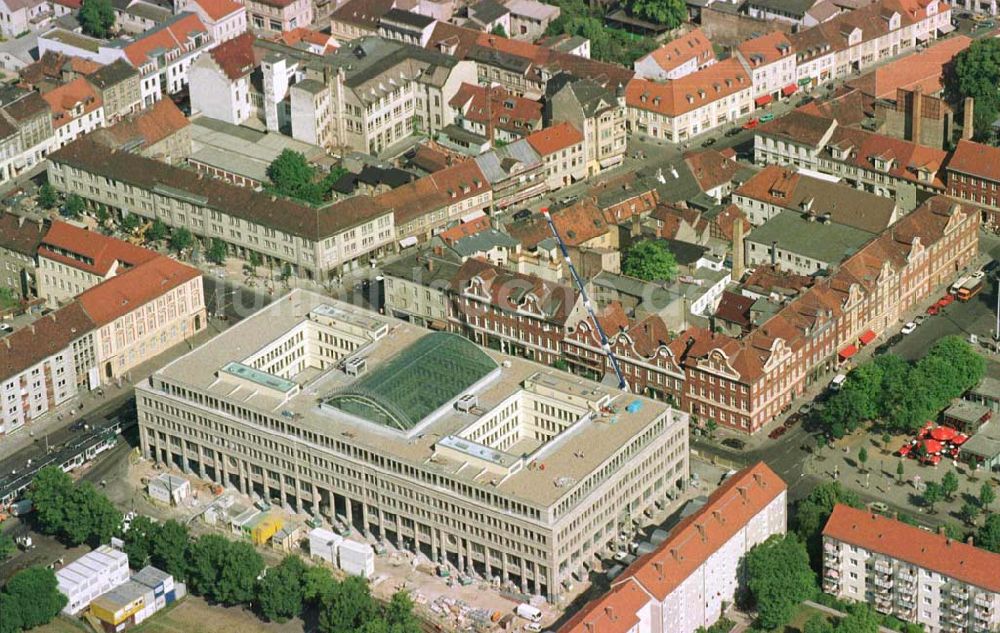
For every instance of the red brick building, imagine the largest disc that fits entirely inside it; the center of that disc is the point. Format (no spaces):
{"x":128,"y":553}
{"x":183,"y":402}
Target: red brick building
{"x":515,"y":313}
{"x":973,"y":174}
{"x":744,"y":382}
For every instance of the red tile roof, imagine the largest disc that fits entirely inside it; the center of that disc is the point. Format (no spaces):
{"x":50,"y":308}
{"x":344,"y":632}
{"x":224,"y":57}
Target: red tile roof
{"x":436,"y":191}
{"x":924,"y":69}
{"x":976,"y":159}
{"x":316,"y":41}
{"x":218,"y":9}
{"x":506,"y":110}
{"x":679,"y":96}
{"x":766,"y":49}
{"x":124,"y":293}
{"x":167,"y":37}
{"x":936,"y":552}
{"x":734,"y":308}
{"x":711,"y":168}
{"x":555,"y":138}
{"x":90,"y":251}
{"x":152,"y":125}
{"x":577,"y":224}
{"x":689,"y":546}
{"x":49,"y":335}
{"x":236,"y":56}
{"x":675,"y":53}
{"x":509,"y":290}
{"x":66,"y":97}
{"x":465,"y":229}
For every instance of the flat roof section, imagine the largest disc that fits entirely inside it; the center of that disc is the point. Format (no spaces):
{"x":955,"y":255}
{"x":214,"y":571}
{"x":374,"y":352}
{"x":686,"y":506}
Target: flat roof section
{"x":259,"y":377}
{"x":416,"y":382}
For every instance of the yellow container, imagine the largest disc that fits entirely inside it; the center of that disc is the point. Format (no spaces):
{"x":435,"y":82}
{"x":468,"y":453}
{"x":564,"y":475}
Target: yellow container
{"x":265,"y":529}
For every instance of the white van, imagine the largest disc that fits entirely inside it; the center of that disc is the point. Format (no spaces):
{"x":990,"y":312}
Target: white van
{"x":529,"y":612}
{"x":838,"y":382}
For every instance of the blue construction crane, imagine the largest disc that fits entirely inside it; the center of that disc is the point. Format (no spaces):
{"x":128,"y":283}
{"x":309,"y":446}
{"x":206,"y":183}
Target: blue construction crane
{"x":605,"y":345}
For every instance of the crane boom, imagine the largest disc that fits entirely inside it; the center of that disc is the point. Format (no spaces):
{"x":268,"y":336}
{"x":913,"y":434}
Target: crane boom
{"x":605,"y":344}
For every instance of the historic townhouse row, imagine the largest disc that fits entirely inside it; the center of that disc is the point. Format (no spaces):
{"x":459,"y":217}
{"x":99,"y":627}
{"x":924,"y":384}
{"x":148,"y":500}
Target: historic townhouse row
{"x":743,"y":383}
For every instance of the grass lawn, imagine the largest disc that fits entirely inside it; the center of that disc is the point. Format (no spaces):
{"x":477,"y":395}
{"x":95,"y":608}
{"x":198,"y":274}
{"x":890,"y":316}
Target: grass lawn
{"x":800,"y":617}
{"x":8,"y":299}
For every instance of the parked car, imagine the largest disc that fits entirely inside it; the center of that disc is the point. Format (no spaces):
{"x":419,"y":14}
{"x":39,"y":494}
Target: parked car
{"x":767,"y":116}
{"x":807,"y":408}
{"x":751,"y":124}
{"x":6,"y":328}
{"x":909,"y":328}
{"x":523,"y":214}
{"x":776,"y":433}
{"x":733,"y":442}
{"x":792,"y":420}
{"x":933,"y":310}
{"x":567,"y":200}
{"x":837,"y":382}
{"x":920,"y":318}
{"x":708,"y":142}
{"x":733,"y":131}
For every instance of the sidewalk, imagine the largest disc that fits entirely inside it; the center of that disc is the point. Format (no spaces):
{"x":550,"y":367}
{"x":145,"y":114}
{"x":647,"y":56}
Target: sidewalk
{"x":87,"y":402}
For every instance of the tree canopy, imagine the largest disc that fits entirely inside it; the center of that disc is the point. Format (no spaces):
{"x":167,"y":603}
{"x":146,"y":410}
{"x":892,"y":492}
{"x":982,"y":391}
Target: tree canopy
{"x":180,"y":239}
{"x":902,"y":396}
{"x":29,"y":599}
{"x":47,"y":197}
{"x":650,"y":260}
{"x":812,"y":512}
{"x":292,"y":176}
{"x":281,"y":591}
{"x":975,"y":73}
{"x":75,"y":513}
{"x":669,"y":13}
{"x":577,"y":17}
{"x":988,"y":536}
{"x":224,"y":571}
{"x":779,"y":578}
{"x":97,"y":18}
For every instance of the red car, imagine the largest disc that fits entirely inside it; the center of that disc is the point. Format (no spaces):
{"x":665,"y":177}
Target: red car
{"x":946,"y":300}
{"x":776,"y":433}
{"x":751,"y":124}
{"x":934,"y":309}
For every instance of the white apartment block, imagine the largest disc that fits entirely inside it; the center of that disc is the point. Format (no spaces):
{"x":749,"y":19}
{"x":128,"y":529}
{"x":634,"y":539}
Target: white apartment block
{"x":695,"y":573}
{"x":490,"y":463}
{"x":678,"y":110}
{"x":945,"y":585}
{"x":770,"y":60}
{"x":220,"y":81}
{"x":225,"y":19}
{"x":314,"y":242}
{"x":858,"y":39}
{"x":46,"y":364}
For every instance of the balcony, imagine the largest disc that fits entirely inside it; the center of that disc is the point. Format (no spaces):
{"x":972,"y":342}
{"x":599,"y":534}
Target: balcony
{"x":982,"y":615}
{"x":983,"y":601}
{"x":831,"y":559}
{"x":883,"y":567}
{"x":959,"y":607}
{"x":830,"y":572}
{"x":883,"y":583}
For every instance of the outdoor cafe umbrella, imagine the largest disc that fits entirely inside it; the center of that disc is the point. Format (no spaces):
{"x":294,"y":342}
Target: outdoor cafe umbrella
{"x":933,"y":447}
{"x":943,"y":433}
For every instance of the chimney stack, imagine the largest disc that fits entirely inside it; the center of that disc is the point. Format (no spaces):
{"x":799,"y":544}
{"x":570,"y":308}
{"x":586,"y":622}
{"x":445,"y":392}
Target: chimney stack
{"x":970,"y":541}
{"x":968,"y":124}
{"x":738,"y":255}
{"x":917,"y":113}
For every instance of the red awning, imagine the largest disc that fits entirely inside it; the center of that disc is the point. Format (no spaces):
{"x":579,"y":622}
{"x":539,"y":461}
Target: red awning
{"x":763,"y":100}
{"x":867,"y":337}
{"x":848,"y":351}
{"x":789,"y":90}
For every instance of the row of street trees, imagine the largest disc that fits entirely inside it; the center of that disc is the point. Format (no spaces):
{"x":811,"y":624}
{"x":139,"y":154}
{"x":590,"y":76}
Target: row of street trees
{"x":900,"y":395}
{"x":223,"y":571}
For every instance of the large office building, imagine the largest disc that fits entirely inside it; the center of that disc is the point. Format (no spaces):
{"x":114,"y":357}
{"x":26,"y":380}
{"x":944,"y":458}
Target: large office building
{"x":915,"y":575}
{"x":503,"y":467}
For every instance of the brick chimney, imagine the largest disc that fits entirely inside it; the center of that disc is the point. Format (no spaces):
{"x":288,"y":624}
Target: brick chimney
{"x":917,"y":113}
{"x":968,"y":120}
{"x":738,"y":255}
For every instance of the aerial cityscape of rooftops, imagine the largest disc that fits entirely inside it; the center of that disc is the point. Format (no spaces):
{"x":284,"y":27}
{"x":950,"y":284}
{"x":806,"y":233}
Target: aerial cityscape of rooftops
{"x":500,"y":316}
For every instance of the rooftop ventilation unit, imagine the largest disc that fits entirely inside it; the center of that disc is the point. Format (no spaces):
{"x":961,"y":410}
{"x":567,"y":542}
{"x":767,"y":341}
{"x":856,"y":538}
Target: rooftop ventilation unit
{"x":355,"y":366}
{"x":467,"y":403}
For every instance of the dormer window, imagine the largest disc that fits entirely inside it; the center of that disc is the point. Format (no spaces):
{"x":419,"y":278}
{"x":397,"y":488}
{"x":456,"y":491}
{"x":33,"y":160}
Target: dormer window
{"x":690,"y":98}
